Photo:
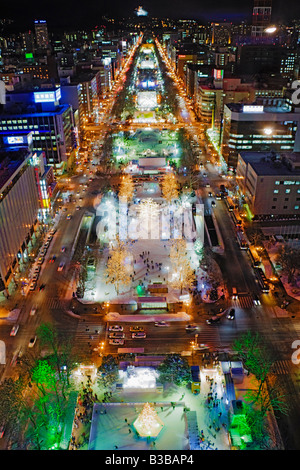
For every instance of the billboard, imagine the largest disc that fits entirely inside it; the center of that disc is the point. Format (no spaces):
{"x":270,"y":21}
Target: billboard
{"x":47,"y":96}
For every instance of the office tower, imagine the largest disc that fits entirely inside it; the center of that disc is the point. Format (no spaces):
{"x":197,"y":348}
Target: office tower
{"x":41,"y":34}
{"x":261,"y":17}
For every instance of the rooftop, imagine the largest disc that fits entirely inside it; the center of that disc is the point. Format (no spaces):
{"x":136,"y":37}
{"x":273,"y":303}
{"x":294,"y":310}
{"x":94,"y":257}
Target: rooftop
{"x":239,"y":108}
{"x":10,"y":160}
{"x":270,"y":164}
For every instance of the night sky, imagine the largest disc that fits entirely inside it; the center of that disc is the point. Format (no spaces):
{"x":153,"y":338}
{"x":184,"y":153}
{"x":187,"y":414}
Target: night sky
{"x":72,"y":12}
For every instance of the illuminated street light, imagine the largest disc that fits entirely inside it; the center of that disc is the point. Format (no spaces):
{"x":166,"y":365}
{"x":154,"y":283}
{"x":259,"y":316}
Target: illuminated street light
{"x":268,"y":131}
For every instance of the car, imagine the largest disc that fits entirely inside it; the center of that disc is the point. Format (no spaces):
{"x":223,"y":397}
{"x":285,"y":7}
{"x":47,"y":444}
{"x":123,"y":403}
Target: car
{"x":40,"y":260}
{"x":139,"y":334}
{"x":231,"y":314}
{"x":161,"y":323}
{"x":35,"y":277}
{"x":207,"y":185}
{"x":33,"y":310}
{"x":213,"y":320}
{"x":52,"y":232}
{"x":61,"y":266}
{"x":14,"y":330}
{"x":234,"y":293}
{"x":32,"y":286}
{"x":256,"y":300}
{"x":42,"y":287}
{"x":46,"y":245}
{"x":37,"y":269}
{"x":136,"y":328}
{"x":204,"y":175}
{"x":210,"y":194}
{"x":191,"y":327}
{"x":63,"y":249}
{"x":115,"y":328}
{"x":116,"y":341}
{"x":78,"y":208}
{"x":213,"y":204}
{"x":218,"y":196}
{"x":116,"y":334}
{"x":52,"y":259}
{"x":32,"y":342}
{"x":69,"y":216}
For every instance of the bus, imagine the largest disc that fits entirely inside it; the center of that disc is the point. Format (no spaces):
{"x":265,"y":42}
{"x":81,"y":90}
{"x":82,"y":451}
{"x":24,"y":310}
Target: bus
{"x":260,"y":275}
{"x":255,"y":259}
{"x":242,"y":240}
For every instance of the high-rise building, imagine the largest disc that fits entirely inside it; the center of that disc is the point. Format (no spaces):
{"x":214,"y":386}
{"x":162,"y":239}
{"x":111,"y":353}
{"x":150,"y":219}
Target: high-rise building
{"x":259,"y":128}
{"x":41,"y":34}
{"x":19,"y":205}
{"x":261,"y":17}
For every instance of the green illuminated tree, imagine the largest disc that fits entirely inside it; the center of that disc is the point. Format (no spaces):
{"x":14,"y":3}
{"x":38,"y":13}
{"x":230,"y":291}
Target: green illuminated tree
{"x":267,"y":396}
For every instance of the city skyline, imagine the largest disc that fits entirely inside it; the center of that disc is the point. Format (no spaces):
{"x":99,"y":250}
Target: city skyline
{"x":67,"y":14}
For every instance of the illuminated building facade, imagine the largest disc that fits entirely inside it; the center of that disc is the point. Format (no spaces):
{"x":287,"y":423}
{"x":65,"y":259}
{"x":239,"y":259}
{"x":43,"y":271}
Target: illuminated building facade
{"x":19,"y":206}
{"x":50,"y":122}
{"x":258,"y":128}
{"x":261,"y":17}
{"x":270,"y":184}
{"x":41,"y":34}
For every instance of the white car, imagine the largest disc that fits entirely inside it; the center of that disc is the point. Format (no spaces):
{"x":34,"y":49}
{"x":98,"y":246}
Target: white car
{"x":139,"y":334}
{"x":14,"y":330}
{"x":161,"y":323}
{"x":116,"y":341}
{"x":32,"y":342}
{"x":33,"y":311}
{"x":116,"y":335}
{"x":115,"y":328}
{"x":61,"y":266}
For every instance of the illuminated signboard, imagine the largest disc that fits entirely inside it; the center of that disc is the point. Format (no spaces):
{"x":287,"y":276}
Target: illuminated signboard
{"x":250,"y":108}
{"x":14,"y":139}
{"x":18,"y":139}
{"x":218,"y":74}
{"x":47,"y":96}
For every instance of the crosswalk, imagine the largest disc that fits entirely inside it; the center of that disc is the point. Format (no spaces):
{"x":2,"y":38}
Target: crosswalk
{"x":244,"y":301}
{"x":89,"y":331}
{"x":282,"y":367}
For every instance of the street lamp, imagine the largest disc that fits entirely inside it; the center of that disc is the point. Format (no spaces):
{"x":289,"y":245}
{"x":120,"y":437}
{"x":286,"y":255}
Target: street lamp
{"x":268,"y":131}
{"x":270,"y":29}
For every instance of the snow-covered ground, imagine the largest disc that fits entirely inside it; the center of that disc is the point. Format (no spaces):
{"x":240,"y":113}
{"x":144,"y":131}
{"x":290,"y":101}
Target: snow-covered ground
{"x":110,"y":430}
{"x":152,"y":253}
